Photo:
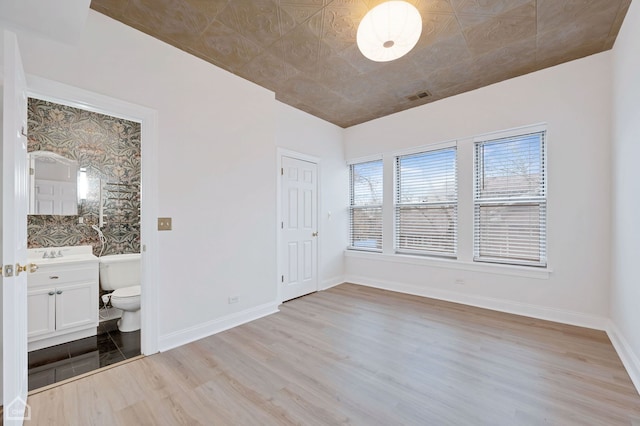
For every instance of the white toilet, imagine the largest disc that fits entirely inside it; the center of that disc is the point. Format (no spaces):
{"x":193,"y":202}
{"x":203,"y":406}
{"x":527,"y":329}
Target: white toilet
{"x":121,"y":273}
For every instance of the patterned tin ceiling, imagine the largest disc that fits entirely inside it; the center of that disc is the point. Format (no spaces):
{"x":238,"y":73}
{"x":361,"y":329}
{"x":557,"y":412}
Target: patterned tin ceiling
{"x":305,"y":50}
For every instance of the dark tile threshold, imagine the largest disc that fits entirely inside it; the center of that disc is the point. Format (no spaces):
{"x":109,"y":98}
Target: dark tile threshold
{"x":57,"y":363}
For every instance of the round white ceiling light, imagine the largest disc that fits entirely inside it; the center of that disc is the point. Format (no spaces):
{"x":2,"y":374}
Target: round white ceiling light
{"x":389,"y":31}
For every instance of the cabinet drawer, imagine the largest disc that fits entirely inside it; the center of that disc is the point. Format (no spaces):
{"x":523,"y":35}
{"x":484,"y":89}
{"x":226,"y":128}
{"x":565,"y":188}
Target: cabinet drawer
{"x":52,"y":276}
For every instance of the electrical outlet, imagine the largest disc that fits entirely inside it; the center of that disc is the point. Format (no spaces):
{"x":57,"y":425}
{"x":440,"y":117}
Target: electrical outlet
{"x":459,"y":281}
{"x":234,"y":299}
{"x":164,"y":224}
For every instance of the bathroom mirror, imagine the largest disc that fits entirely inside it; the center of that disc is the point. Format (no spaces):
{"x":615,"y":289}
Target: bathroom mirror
{"x":53,"y":184}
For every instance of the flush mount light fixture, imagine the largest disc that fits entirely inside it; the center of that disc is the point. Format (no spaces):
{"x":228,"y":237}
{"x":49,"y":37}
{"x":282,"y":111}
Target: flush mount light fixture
{"x":389,"y":31}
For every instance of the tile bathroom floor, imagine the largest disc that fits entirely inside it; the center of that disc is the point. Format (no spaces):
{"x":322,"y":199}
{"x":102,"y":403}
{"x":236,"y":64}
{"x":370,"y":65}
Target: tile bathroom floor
{"x":61,"y":362}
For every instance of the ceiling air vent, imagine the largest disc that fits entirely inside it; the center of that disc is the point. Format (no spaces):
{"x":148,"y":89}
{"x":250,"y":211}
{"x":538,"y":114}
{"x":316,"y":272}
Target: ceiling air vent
{"x":420,"y":95}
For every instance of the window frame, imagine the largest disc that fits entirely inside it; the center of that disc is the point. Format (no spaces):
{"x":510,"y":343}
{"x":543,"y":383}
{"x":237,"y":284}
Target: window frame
{"x":540,"y":200}
{"x":398,"y":205}
{"x":353,"y":207}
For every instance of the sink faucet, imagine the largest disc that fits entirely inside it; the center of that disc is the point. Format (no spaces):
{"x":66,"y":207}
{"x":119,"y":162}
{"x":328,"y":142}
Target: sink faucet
{"x":52,"y":254}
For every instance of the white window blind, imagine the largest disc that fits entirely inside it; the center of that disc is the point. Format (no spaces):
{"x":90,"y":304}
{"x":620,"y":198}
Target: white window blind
{"x":511,"y":200}
{"x":427,"y":203}
{"x":366,"y":206}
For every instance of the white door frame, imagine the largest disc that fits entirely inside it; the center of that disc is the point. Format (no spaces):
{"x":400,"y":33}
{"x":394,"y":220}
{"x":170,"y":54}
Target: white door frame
{"x":148,"y":118}
{"x":283,"y":152}
{"x":14,"y":236}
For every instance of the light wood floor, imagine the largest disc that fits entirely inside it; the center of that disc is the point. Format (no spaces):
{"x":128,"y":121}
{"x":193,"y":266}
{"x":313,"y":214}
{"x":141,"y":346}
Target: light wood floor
{"x":356,"y":355}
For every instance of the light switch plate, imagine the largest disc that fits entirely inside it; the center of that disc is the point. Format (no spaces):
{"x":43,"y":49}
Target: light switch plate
{"x":164,"y":224}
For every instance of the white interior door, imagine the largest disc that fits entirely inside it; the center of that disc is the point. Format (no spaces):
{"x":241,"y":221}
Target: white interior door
{"x":299,"y":251}
{"x":14,"y":235}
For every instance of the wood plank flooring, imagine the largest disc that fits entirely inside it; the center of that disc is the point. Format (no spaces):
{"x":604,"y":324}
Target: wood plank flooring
{"x":361,"y":356}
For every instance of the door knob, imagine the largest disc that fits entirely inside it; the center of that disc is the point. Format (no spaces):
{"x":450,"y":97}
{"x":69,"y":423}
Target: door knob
{"x":59,"y":292}
{"x":315,"y":234}
{"x":20,"y":269}
{"x":32,"y":267}
{"x":51,"y":293}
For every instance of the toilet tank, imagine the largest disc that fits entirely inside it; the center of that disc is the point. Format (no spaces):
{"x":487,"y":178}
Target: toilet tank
{"x":119,"y":271}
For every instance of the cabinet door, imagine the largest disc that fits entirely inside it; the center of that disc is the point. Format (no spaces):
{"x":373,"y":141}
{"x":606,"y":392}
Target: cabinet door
{"x":76,"y":305}
{"x":41,"y":306}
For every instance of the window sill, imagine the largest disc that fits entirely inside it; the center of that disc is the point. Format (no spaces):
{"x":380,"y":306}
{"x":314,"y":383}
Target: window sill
{"x":513,"y":270}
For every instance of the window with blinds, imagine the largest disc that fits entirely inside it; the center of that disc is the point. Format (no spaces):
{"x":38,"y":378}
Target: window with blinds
{"x":427,"y":203}
{"x":510,"y":198}
{"x":366,"y":206}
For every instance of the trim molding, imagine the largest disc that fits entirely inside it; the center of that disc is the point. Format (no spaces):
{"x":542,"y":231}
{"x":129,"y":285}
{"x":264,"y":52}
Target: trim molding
{"x":331,"y":282}
{"x":191,"y":334}
{"x":534,"y":311}
{"x":76,"y":97}
{"x":629,"y":359}
{"x":433,"y":262}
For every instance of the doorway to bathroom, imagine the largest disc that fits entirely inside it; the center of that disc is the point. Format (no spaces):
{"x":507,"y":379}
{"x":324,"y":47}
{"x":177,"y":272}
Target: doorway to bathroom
{"x":84,"y":208}
{"x":108,"y":344}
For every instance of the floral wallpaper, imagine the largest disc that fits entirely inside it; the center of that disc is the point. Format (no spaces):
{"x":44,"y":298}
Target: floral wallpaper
{"x":109,"y":149}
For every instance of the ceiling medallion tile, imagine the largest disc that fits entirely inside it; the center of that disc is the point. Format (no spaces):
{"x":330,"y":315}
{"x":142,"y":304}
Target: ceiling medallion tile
{"x":261,"y":21}
{"x":210,"y":8}
{"x":518,"y":8}
{"x":270,"y":71}
{"x":572,"y":41}
{"x":436,"y":26}
{"x":221,"y":43}
{"x":337,"y":25}
{"x":176,"y":20}
{"x":499,"y":31}
{"x":359,"y":89}
{"x":451,"y":80}
{"x":552,"y":14}
{"x":357,"y":60}
{"x":301,"y":11}
{"x":507,"y":62}
{"x":334,"y":72}
{"x":433,"y":6}
{"x":489,"y":7}
{"x":303,"y":49}
{"x":444,"y":51}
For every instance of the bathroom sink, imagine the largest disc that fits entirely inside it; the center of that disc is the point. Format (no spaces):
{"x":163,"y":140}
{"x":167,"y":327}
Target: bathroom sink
{"x":69,"y":254}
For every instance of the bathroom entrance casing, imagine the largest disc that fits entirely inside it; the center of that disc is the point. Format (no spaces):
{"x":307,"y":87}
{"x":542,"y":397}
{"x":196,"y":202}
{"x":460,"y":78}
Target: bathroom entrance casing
{"x":78,"y":98}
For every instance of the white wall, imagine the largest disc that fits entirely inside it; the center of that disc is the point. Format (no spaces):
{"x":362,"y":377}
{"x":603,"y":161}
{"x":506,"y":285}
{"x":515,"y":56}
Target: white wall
{"x":300,"y":132}
{"x":574,"y":101}
{"x":217,"y":168}
{"x":625,"y":291}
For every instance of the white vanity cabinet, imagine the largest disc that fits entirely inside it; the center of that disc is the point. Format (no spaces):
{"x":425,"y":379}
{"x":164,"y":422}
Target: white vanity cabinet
{"x":62,"y":299}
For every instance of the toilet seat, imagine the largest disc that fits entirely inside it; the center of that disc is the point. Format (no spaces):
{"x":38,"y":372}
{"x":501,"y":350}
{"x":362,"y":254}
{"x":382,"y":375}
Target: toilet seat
{"x":126,"y":292}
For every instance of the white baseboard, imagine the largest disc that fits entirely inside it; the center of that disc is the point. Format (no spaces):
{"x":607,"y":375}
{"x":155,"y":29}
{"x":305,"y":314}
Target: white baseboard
{"x":331,"y":282}
{"x":191,"y":334}
{"x":629,"y":359}
{"x":501,"y":305}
